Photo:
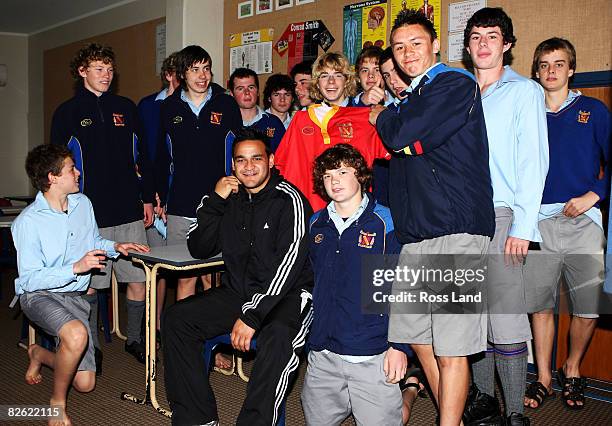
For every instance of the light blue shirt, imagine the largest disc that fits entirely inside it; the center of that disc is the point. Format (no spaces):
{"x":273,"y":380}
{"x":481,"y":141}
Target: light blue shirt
{"x":342,"y":224}
{"x":287,"y":120}
{"x":196,"y":108}
{"x":417,"y":80}
{"x":255,"y":119}
{"x":515,"y":116}
{"x":49,"y":242}
{"x":162,"y":95}
{"x":549,"y":210}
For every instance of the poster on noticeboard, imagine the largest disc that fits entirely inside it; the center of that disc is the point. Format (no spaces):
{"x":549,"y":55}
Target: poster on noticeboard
{"x":364,"y":24}
{"x":431,"y":8}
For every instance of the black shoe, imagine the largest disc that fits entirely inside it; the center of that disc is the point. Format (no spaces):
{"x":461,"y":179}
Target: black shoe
{"x":137,"y":349}
{"x":481,"y":409}
{"x":98,"y":357}
{"x":517,"y":419}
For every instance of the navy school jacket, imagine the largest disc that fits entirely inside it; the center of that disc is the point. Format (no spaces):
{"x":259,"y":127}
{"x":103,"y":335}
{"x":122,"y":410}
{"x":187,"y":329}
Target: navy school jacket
{"x":439,"y":173}
{"x":193,"y":149}
{"x":103,"y":133}
{"x":339,"y":324}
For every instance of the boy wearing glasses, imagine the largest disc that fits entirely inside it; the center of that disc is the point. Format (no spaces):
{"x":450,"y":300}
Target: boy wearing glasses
{"x":325,"y":124}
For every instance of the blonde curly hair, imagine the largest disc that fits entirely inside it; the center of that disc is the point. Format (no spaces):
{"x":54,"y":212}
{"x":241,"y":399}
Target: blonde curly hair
{"x":338,"y":62}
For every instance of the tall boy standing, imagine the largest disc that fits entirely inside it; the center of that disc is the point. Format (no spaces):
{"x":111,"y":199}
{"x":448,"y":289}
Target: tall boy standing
{"x":518,"y":160}
{"x":441,"y":202}
{"x":102,"y":131}
{"x":58,"y":245}
{"x":570,"y":221}
{"x":196,"y":127}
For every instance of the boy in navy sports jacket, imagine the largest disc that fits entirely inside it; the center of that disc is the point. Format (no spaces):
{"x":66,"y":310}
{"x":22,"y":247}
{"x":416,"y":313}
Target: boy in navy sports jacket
{"x":352,"y":367}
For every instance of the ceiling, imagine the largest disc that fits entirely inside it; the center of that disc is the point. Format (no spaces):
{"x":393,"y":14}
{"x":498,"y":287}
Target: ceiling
{"x":32,"y":16}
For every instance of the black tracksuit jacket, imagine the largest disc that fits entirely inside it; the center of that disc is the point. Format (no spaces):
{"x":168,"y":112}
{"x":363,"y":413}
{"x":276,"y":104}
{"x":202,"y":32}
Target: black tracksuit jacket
{"x":264,"y":241}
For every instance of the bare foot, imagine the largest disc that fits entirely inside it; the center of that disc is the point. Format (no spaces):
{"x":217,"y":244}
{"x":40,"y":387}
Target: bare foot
{"x":33,"y":376}
{"x":62,"y":419}
{"x":222,"y":361}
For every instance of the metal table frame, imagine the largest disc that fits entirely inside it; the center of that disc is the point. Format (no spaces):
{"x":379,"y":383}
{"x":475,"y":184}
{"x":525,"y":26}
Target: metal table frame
{"x":173,"y":258}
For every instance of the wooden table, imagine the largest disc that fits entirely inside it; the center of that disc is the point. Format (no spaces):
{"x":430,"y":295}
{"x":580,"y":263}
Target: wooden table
{"x":174,"y":258}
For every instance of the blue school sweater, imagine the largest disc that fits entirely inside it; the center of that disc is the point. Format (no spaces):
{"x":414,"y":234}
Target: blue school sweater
{"x":579,"y":141}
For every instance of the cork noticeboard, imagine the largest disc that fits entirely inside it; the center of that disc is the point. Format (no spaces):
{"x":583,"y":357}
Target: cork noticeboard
{"x":135,"y":76}
{"x":586,"y":24}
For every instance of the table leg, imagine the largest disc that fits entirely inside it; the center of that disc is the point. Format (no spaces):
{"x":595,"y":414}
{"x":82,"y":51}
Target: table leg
{"x":151,"y":343}
{"x":127,"y":396}
{"x":115,"y":301}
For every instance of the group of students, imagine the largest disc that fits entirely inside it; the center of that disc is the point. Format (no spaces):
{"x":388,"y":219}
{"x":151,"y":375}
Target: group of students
{"x":473,"y":167}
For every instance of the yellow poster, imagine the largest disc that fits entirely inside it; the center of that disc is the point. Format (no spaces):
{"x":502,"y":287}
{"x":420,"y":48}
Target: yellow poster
{"x":431,"y":8}
{"x":250,"y":37}
{"x":374,"y":24}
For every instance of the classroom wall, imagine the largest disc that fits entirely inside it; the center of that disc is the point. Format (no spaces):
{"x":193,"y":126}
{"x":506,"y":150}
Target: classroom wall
{"x":109,"y":20}
{"x":584,"y":24}
{"x":14,"y":114}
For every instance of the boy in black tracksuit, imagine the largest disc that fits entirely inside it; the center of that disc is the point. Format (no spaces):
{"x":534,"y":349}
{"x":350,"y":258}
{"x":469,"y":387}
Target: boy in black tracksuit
{"x":259,"y":222}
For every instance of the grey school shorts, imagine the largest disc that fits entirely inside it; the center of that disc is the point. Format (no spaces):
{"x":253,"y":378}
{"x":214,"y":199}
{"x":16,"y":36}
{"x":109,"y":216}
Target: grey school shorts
{"x":178,"y":227}
{"x":450,"y":334}
{"x":125,"y":270}
{"x":507,"y":320}
{"x":51,"y":310}
{"x":154,"y":238}
{"x":335,"y":388}
{"x":572,"y":248}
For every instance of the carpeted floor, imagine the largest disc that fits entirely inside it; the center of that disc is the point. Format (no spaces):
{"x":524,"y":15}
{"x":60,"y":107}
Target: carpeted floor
{"x":123,"y":374}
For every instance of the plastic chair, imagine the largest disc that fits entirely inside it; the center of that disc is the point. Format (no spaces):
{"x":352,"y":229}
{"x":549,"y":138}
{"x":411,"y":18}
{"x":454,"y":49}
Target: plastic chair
{"x":225,"y":339}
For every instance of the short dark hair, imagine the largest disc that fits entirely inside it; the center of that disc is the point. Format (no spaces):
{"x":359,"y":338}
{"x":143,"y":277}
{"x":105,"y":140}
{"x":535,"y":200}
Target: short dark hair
{"x":275,"y":83}
{"x":387,"y":55}
{"x":88,"y":54}
{"x":333,"y":158}
{"x":242,"y":73}
{"x":168,"y":67}
{"x":187,"y":57}
{"x":250,"y":134}
{"x":45,"y":159}
{"x":488,"y":17}
{"x":412,"y":17}
{"x":367,"y":53}
{"x":551,"y":45}
{"x":304,"y":67}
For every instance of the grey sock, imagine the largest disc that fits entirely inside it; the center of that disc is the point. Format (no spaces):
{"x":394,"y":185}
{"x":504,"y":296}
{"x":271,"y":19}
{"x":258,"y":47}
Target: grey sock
{"x":483,"y":373}
{"x":511,"y":363}
{"x":92,"y":299}
{"x":135,"y":309}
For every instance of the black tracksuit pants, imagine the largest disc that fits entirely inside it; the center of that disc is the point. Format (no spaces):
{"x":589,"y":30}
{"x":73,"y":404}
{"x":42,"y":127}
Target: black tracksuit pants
{"x":188,"y":323}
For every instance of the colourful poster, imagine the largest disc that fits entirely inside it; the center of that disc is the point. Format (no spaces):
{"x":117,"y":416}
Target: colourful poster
{"x":364,"y":24}
{"x":302,"y":41}
{"x":431,"y":9}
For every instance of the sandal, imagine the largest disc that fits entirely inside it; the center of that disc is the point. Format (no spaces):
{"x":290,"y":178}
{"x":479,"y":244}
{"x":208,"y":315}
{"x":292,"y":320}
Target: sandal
{"x":537,"y":392}
{"x":572,"y":390}
{"x":420,"y":386}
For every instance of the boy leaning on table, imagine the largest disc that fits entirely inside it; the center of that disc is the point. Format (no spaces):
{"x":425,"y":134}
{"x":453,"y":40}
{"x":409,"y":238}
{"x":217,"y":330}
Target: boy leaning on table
{"x":58,"y":245}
